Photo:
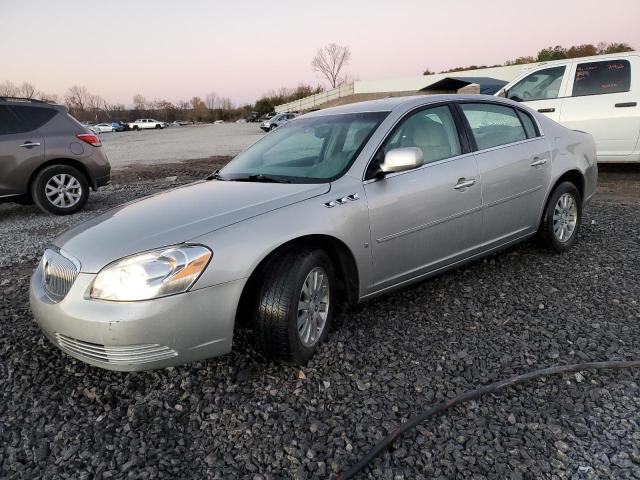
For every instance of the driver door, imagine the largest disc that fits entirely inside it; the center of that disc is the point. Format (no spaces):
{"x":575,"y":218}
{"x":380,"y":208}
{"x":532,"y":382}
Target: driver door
{"x":543,"y":90}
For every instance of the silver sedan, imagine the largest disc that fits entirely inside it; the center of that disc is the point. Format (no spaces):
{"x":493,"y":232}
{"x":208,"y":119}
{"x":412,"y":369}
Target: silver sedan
{"x":334,"y":208}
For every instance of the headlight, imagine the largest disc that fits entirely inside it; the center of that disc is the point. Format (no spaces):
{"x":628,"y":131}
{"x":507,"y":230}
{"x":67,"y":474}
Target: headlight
{"x":153,"y":274}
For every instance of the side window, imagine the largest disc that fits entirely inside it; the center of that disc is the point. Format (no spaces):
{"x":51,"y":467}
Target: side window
{"x":33,"y":117}
{"x":540,"y":85}
{"x":528,"y":124}
{"x":493,"y":125}
{"x":9,"y":123}
{"x":432,"y":130}
{"x":595,"y":78}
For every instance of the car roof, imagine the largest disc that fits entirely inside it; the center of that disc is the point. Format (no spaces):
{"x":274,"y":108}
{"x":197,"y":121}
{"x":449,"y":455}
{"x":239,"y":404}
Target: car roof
{"x":393,"y":103}
{"x":32,"y":102}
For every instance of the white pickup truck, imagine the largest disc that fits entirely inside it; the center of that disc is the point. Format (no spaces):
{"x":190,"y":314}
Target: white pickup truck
{"x":599,"y":95}
{"x":142,"y":123}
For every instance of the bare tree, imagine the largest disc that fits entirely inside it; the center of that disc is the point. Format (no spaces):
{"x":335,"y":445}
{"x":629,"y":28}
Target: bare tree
{"x":78,"y":98}
{"x":8,"y":89}
{"x":27,"y":90}
{"x":139,"y":102}
{"x":329,"y":62}
{"x":211,"y":100}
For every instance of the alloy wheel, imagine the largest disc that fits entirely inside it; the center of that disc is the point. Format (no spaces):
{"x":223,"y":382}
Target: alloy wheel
{"x":565,"y":217}
{"x":63,"y":190}
{"x":313,"y":307}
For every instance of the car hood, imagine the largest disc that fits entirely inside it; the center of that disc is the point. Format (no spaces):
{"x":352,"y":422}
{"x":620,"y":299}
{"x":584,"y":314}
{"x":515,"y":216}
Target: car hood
{"x":174,"y":217}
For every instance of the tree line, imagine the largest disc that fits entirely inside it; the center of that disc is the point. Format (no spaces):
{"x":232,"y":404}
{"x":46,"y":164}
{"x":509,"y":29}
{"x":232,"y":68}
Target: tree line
{"x":552,"y":53}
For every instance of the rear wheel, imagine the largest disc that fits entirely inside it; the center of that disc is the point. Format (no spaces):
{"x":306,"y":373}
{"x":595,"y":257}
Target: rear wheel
{"x":295,"y":305}
{"x":60,"y":189}
{"x":158,"y":126}
{"x":562,"y":217}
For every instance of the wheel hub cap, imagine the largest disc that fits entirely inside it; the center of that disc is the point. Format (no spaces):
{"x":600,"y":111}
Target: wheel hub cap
{"x":313,"y":307}
{"x":565,"y":217}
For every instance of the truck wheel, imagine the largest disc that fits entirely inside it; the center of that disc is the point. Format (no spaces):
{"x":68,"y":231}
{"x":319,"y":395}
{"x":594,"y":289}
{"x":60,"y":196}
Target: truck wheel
{"x":295,"y":305}
{"x":60,"y":189}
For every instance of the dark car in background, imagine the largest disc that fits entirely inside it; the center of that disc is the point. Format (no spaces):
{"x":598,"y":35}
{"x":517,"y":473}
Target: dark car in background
{"x":120,"y":126}
{"x":47,"y":157}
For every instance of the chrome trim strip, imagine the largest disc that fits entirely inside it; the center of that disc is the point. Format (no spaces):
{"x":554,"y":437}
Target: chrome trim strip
{"x":428,"y":225}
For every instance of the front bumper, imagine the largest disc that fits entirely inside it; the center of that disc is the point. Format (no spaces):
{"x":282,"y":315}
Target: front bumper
{"x":133,"y":336}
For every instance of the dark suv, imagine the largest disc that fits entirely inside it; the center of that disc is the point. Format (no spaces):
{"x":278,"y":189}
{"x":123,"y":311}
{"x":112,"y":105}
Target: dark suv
{"x":48,"y":157}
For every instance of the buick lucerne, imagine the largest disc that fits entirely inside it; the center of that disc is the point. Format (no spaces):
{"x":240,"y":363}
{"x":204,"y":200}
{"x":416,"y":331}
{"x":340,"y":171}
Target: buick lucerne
{"x":333,"y":208}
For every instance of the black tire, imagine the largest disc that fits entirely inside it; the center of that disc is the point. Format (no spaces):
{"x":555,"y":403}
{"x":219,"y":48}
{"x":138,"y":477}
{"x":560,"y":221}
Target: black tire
{"x":276,"y":321}
{"x":39,"y":183}
{"x":158,"y":126}
{"x":273,"y":127}
{"x":546,"y":231}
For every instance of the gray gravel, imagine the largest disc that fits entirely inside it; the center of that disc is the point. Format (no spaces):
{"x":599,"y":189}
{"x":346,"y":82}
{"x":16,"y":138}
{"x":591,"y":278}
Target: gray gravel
{"x":178,"y":143}
{"x":240,"y":416}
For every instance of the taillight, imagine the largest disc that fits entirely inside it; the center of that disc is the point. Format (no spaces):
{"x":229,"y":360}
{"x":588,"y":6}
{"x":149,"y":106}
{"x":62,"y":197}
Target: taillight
{"x":89,"y":138}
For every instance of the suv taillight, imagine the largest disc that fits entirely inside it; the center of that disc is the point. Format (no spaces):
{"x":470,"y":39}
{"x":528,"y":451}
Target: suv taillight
{"x":89,"y":138}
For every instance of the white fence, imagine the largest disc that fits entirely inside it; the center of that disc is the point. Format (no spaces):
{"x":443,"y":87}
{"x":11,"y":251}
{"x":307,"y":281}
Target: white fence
{"x":312,"y":101}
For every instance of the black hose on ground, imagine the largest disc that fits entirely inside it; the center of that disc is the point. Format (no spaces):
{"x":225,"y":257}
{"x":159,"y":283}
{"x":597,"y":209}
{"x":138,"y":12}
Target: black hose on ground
{"x":472,"y":395}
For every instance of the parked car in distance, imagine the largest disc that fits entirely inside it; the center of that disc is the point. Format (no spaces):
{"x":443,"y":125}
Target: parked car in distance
{"x":104,"y":127}
{"x":48,"y":157}
{"x":276,"y":121}
{"x":398,"y":190}
{"x":182,"y":123}
{"x":267,"y":116}
{"x":599,"y":95}
{"x":120,"y":126}
{"x":218,"y":122}
{"x":145,"y":123}
{"x":253,"y":117}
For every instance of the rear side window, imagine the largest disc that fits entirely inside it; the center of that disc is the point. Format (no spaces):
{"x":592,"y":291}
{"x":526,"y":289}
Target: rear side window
{"x":33,"y":117}
{"x":493,"y":125}
{"x":9,"y":123}
{"x":595,"y":78}
{"x":528,"y":124}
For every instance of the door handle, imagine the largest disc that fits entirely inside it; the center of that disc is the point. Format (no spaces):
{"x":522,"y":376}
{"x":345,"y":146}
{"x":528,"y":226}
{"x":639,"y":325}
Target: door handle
{"x":626,"y":104}
{"x":462,"y":183}
{"x":30,"y":144}
{"x":538,"y":161}
{"x":547,"y":110}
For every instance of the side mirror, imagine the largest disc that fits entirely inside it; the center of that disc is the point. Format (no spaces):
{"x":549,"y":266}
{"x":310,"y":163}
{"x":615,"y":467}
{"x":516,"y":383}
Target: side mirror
{"x":504,"y":93}
{"x":401,"y":159}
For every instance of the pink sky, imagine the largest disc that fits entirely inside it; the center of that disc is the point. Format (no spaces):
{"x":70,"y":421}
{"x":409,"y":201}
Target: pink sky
{"x":177,"y":49}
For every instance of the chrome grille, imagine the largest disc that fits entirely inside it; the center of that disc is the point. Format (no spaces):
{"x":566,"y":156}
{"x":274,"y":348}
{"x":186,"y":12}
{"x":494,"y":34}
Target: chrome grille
{"x":58,"y":274}
{"x":116,"y":355}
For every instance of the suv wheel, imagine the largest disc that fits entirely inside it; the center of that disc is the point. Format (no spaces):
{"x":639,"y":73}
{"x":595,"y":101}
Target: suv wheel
{"x":295,"y":305}
{"x":60,"y":189}
{"x":562,"y":216}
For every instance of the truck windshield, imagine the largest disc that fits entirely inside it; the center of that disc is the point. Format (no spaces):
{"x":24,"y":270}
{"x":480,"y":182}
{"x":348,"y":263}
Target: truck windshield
{"x":305,"y":150}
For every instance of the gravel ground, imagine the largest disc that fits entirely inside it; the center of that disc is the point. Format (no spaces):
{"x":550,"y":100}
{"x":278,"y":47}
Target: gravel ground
{"x":240,"y":416}
{"x":178,"y":143}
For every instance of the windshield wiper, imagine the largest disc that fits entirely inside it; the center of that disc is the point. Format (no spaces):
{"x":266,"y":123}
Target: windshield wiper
{"x":260,"y":177}
{"x":216,"y":176}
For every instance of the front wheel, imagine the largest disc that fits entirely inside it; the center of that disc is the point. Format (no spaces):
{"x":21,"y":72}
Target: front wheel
{"x":295,"y":305}
{"x":562,"y":217}
{"x":60,"y":189}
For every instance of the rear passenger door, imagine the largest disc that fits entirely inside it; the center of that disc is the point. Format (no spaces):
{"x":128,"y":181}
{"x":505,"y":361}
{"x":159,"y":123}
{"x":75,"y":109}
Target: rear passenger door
{"x":604,"y":103}
{"x":21,"y":146}
{"x":514,"y":161}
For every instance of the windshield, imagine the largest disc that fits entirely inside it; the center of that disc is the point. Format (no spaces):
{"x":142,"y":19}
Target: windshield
{"x":306,"y":150}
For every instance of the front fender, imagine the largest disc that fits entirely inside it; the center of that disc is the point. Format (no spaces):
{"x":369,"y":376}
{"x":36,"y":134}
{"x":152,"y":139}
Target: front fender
{"x":239,"y":248}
